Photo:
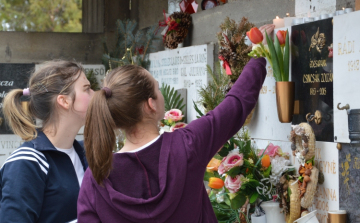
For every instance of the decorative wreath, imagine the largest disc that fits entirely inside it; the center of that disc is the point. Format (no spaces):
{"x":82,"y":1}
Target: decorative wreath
{"x":303,"y":142}
{"x":178,"y":25}
{"x":303,"y":146}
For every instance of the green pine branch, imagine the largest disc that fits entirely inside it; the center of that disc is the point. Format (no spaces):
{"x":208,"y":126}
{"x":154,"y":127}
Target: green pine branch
{"x":214,"y":93}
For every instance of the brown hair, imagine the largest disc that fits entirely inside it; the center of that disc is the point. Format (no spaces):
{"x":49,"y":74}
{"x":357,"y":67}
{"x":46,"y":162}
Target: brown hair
{"x":130,"y":87}
{"x":45,"y":84}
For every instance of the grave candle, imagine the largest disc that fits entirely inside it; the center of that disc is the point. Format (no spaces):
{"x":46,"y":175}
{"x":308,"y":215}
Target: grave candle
{"x":279,"y":23}
{"x":348,"y":10}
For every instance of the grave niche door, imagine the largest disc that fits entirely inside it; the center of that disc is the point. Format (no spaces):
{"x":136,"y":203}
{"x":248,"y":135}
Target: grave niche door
{"x":12,"y":76}
{"x":312,"y":71}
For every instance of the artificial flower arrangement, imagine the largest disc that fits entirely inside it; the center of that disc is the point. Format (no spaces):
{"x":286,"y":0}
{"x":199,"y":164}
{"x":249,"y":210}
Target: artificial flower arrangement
{"x":240,"y":175}
{"x":174,"y":104}
{"x":173,"y":120}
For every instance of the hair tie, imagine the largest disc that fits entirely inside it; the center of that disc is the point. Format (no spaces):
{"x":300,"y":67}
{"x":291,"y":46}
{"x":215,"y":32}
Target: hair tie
{"x":26,"y":92}
{"x":108,"y":92}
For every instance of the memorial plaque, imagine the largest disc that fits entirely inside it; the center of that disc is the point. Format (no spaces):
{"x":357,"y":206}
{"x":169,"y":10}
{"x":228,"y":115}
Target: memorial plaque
{"x":346,"y":70}
{"x":12,"y":76}
{"x":184,"y":68}
{"x":312,"y":72}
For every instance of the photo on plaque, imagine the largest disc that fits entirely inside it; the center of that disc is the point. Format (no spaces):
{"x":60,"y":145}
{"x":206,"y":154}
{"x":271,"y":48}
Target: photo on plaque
{"x":312,"y":72}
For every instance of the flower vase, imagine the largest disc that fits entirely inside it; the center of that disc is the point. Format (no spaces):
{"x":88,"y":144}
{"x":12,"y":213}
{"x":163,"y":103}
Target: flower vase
{"x":272,"y":212}
{"x":258,"y":219}
{"x":285,"y":94}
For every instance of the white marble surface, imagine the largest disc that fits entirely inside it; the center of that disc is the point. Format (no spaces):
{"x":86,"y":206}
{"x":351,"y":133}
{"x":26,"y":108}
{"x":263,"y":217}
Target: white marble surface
{"x":346,"y":45}
{"x":184,"y":68}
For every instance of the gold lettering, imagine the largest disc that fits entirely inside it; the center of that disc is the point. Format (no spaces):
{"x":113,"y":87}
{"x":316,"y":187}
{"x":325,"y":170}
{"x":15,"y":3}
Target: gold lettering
{"x":339,"y":49}
{"x":317,"y":63}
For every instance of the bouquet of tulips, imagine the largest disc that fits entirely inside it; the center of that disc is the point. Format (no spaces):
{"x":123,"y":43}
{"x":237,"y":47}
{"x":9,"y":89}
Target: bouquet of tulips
{"x":277,"y":52}
{"x":240,"y":174}
{"x":172,"y":121}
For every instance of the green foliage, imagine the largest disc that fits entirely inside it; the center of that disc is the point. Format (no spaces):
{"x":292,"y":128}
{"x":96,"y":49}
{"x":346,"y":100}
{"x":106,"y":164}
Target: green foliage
{"x":172,"y":99}
{"x":238,"y":201}
{"x":41,"y":16}
{"x":130,"y":48}
{"x":254,"y":197}
{"x":197,"y":110}
{"x":278,"y":59}
{"x":214,"y":93}
{"x":92,"y":79}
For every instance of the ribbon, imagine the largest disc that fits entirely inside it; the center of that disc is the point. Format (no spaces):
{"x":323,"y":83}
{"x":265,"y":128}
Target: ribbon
{"x":226,"y":65}
{"x":162,"y":23}
{"x":263,"y":189}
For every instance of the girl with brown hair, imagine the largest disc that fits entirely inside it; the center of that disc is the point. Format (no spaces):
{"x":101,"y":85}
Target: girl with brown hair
{"x":40,"y":181}
{"x":155,"y":178}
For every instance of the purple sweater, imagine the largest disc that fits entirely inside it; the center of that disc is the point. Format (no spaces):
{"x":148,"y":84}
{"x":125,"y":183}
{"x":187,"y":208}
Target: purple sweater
{"x":164,"y":181}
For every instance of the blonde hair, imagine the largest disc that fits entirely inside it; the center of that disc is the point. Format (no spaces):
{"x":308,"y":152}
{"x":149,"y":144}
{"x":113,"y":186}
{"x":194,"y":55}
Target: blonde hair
{"x":45,"y":84}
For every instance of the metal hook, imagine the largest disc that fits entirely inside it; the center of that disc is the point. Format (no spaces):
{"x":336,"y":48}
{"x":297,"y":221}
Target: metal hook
{"x":347,"y":106}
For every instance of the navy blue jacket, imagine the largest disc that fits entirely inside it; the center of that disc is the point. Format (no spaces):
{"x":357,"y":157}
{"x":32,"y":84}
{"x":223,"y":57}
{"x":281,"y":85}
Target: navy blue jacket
{"x":39,"y":183}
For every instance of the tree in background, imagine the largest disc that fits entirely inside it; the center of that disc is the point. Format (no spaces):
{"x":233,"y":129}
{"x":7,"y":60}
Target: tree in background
{"x":41,"y":15}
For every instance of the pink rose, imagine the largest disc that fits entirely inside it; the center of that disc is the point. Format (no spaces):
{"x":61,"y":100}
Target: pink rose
{"x":174,"y":115}
{"x":233,"y":184}
{"x":178,"y":125}
{"x":234,"y":158}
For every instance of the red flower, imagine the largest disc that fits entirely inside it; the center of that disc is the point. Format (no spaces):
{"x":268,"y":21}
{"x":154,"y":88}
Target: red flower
{"x":173,"y":26}
{"x":255,"y":35}
{"x":140,"y":50}
{"x":281,"y":35}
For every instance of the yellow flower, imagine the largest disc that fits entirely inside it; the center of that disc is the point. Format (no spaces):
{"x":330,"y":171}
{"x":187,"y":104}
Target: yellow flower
{"x":251,"y":161}
{"x":213,"y":164}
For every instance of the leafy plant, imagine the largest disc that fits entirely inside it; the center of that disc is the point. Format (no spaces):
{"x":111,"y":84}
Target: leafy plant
{"x":172,"y":99}
{"x":92,"y":79}
{"x":130,"y":48}
{"x":214,"y":93}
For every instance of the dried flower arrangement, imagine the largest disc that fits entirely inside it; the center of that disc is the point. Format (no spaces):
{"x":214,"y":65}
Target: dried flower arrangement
{"x":178,"y":25}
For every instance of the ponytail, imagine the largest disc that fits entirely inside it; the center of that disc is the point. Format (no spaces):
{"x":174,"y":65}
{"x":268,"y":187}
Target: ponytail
{"x":18,"y":118}
{"x":99,"y":137}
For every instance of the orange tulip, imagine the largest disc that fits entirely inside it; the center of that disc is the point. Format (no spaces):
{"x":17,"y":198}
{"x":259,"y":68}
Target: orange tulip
{"x":215,"y":183}
{"x":281,"y":35}
{"x":213,"y":164}
{"x":255,"y":35}
{"x":265,"y":161}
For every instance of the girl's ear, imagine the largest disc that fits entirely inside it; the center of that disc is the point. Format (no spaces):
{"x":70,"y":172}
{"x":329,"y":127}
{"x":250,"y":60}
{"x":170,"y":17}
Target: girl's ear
{"x":64,"y":101}
{"x":151,"y":104}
